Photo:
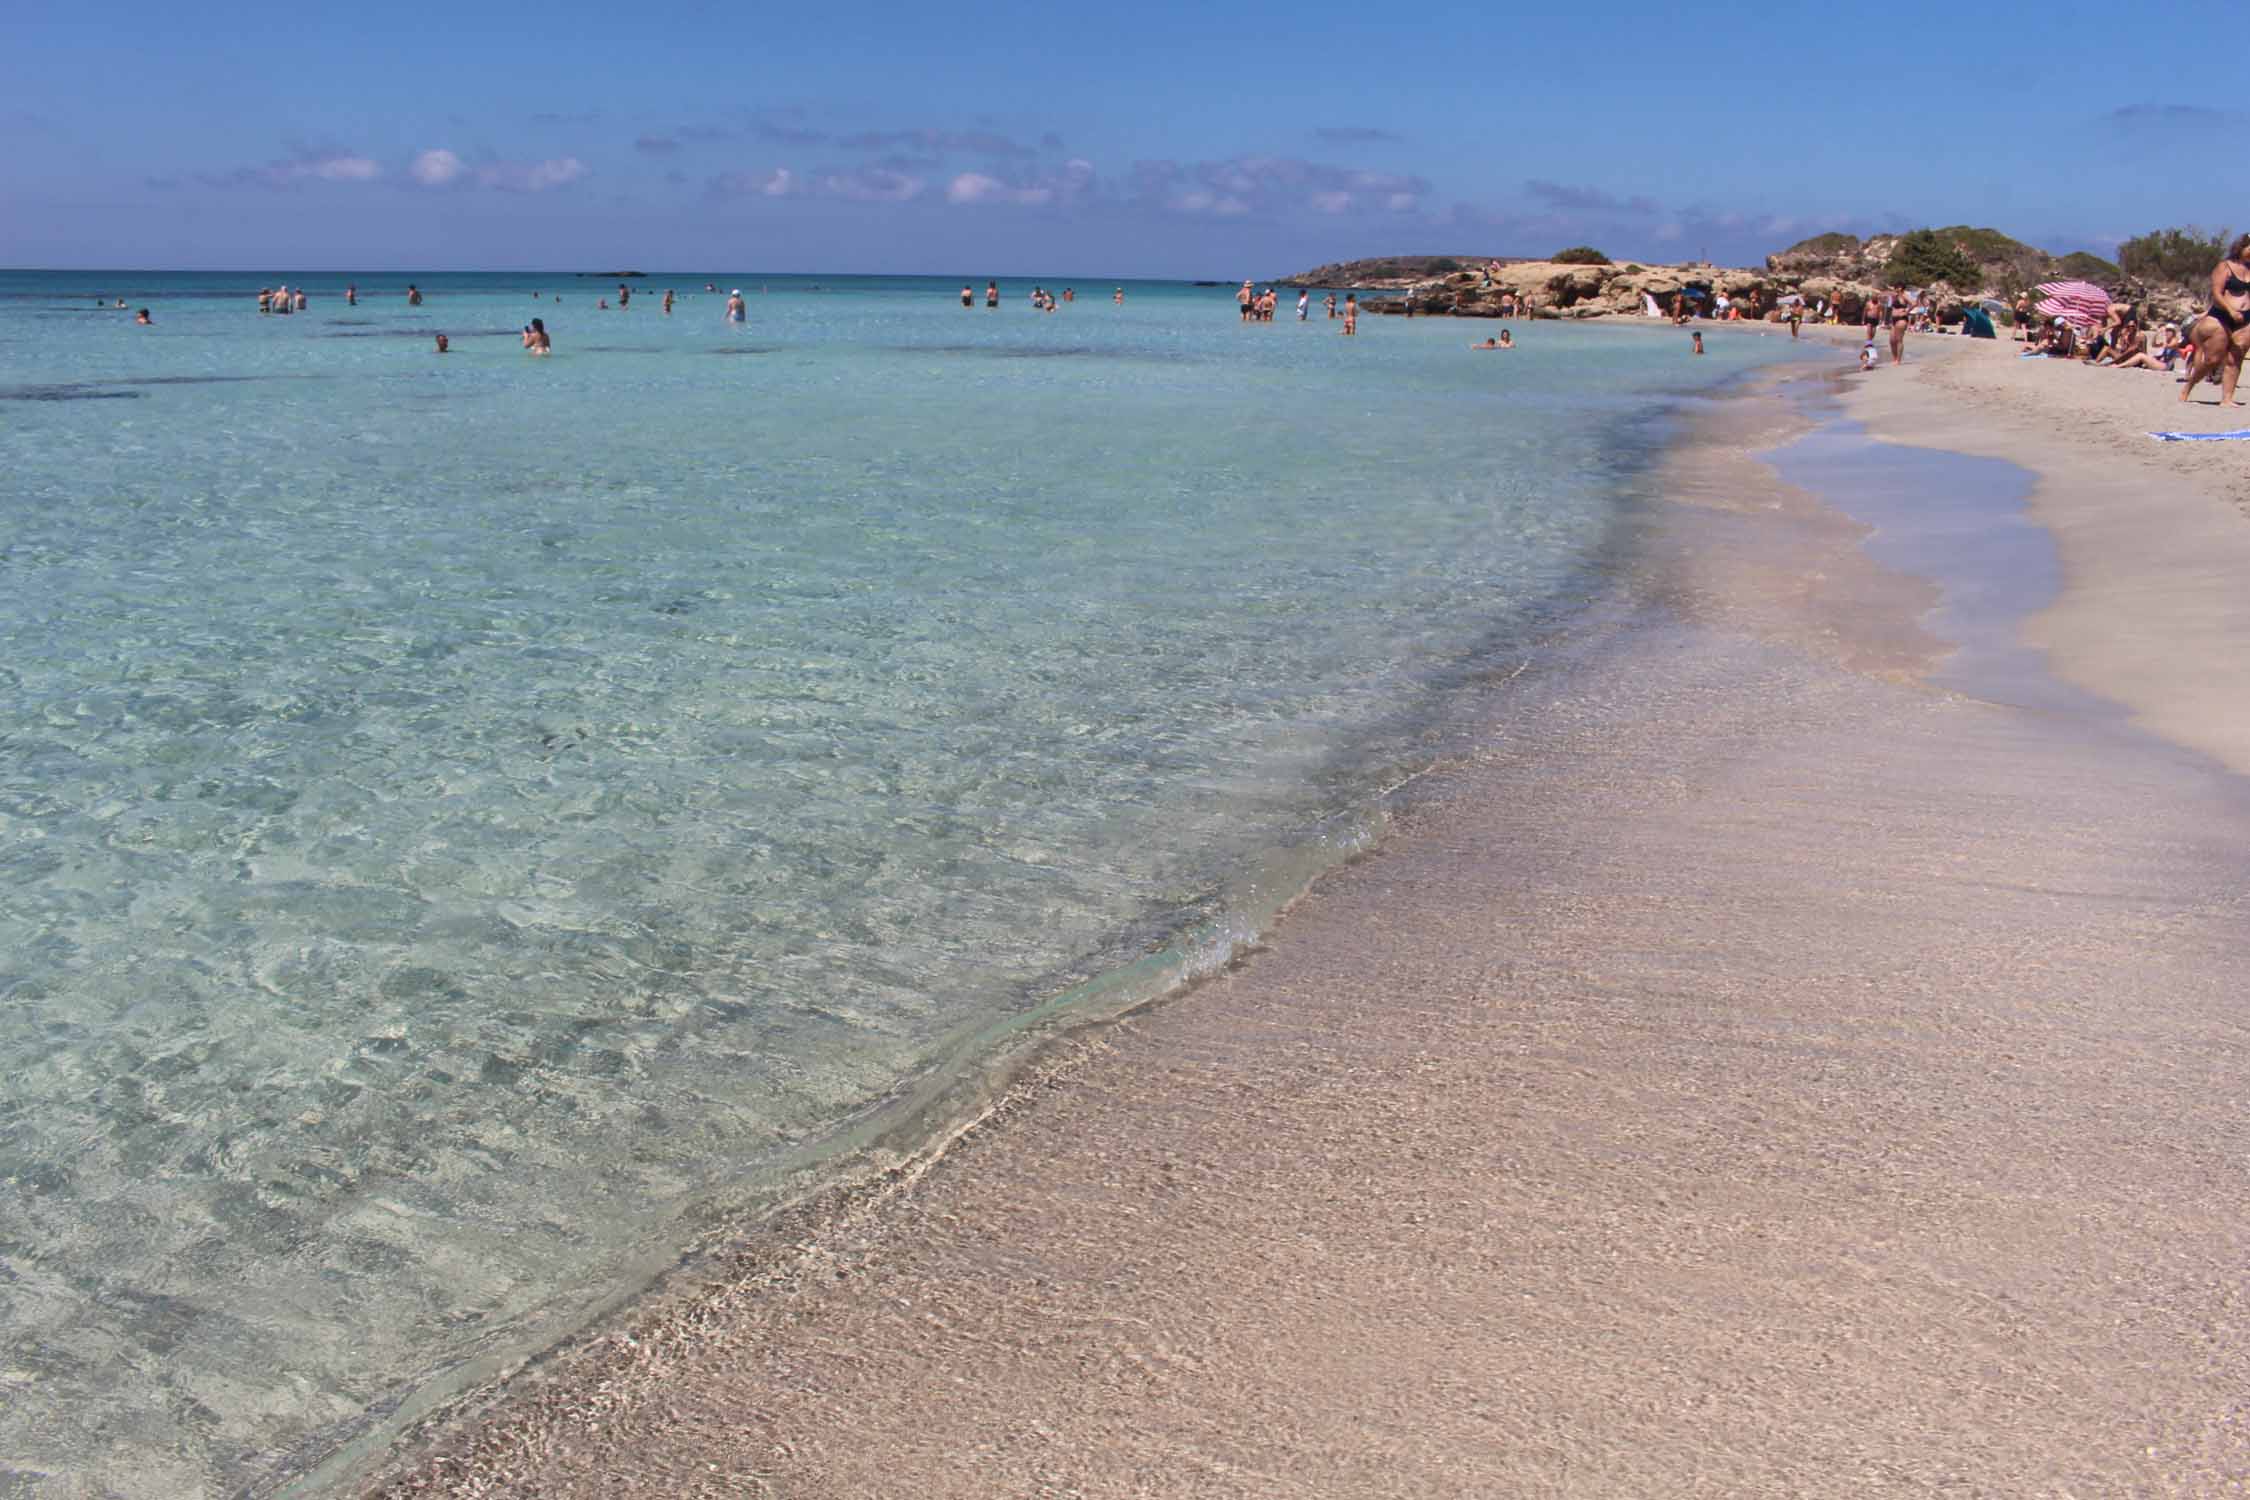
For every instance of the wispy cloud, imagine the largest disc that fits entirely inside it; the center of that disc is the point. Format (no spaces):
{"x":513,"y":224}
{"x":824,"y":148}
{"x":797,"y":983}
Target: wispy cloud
{"x":299,"y":170}
{"x":1075,"y":179}
{"x":439,"y":167}
{"x":656,"y":145}
{"x":573,"y":117}
{"x":778,"y":183}
{"x":1272,"y":186}
{"x":1356,"y":135}
{"x":2169,"y":117}
{"x":870,"y":185}
{"x":1576,"y":198}
{"x":971,"y":142}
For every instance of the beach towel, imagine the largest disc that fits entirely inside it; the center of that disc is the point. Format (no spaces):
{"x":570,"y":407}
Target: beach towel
{"x":2240,"y":435}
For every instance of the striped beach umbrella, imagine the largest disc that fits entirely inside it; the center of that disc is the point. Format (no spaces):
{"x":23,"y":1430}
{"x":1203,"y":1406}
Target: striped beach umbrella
{"x":2078,"y":303}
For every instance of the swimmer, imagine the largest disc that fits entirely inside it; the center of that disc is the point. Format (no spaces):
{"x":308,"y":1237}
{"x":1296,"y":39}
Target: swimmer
{"x":413,"y":295}
{"x":535,"y":338}
{"x":737,"y":311}
{"x":710,"y":286}
{"x":442,"y":344}
{"x":1069,"y":295}
{"x":1697,"y":338}
{"x":1507,"y":339}
{"x":603,"y":304}
{"x":141,"y":317}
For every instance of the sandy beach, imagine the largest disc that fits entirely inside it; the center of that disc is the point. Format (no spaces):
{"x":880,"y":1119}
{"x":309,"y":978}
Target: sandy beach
{"x":1776,"y":1060}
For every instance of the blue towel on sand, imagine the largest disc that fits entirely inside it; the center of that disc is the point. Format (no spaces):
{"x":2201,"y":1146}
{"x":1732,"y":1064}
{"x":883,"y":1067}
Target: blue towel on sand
{"x":2239,"y":435}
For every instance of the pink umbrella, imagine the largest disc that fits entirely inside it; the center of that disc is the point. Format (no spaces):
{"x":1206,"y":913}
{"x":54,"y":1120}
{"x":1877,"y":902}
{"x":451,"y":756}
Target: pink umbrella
{"x":2078,"y":303}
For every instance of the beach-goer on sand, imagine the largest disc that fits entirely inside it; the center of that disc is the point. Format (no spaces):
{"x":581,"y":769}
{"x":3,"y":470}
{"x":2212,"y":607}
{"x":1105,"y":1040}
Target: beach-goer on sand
{"x":2162,"y":355}
{"x":1244,"y":298}
{"x":2221,"y":334}
{"x":1902,"y":313}
{"x":141,"y":317}
{"x":535,"y":338}
{"x":444,"y":344}
{"x":1796,"y":316}
{"x":2025,"y":326}
{"x":992,"y":294}
{"x":2060,"y":341}
{"x":413,"y":295}
{"x":2128,"y":346}
{"x":738,"y":311}
{"x":1867,"y":353}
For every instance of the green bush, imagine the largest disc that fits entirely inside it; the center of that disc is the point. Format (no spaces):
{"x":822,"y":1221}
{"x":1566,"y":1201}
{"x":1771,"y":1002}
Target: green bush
{"x":2092,"y":268}
{"x":1579,"y":255}
{"x":1825,"y":244}
{"x":1444,"y":265}
{"x":1926,"y":255}
{"x":2184,"y":254}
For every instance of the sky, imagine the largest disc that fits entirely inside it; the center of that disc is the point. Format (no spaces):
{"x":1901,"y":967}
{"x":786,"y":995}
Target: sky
{"x":1162,"y":140}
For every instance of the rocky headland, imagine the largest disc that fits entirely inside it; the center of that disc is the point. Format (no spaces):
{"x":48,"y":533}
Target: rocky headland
{"x":1952,"y":266}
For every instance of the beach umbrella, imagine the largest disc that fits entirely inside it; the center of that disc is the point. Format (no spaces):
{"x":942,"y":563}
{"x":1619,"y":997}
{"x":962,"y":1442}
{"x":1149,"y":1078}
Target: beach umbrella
{"x":2078,"y":303}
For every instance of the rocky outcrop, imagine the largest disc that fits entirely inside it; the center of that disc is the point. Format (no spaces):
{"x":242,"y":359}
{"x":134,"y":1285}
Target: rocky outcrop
{"x":1552,"y":289}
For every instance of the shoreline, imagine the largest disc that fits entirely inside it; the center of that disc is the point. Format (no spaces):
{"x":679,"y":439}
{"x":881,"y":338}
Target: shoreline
{"x":828,"y":1328}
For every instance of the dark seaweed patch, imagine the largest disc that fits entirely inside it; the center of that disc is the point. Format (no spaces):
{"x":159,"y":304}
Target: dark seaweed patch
{"x":64,"y":393}
{"x":747,"y":349}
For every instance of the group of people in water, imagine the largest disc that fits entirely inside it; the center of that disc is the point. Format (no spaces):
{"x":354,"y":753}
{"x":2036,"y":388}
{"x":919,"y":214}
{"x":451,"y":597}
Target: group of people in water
{"x":1259,"y":307}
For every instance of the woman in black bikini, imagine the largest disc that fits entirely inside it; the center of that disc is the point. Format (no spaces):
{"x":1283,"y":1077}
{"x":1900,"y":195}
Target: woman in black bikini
{"x":2222,"y":335}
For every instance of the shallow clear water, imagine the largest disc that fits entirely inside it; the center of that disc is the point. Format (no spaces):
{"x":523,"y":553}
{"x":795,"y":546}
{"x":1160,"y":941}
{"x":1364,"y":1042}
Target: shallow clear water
{"x":460,"y":817}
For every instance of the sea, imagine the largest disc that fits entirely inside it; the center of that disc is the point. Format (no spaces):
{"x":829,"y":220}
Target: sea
{"x":469,"y":823}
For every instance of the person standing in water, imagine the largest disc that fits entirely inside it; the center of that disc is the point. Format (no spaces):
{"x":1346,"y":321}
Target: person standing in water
{"x":1331,"y":307}
{"x":1304,"y":305}
{"x":351,"y":295}
{"x":667,"y":302}
{"x":413,"y":295}
{"x":737,"y":311}
{"x":968,"y":295}
{"x":141,"y":317}
{"x":624,"y":294}
{"x":300,"y":299}
{"x":1119,"y":299}
{"x":1243,"y":299}
{"x":992,"y":294}
{"x":535,"y":338}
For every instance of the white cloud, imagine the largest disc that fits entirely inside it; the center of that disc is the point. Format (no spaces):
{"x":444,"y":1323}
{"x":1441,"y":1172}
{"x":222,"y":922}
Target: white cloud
{"x":439,"y":167}
{"x":780,"y":184}
{"x":436,"y":168}
{"x":872,"y":185}
{"x":343,"y":169}
{"x":1332,"y":203}
{"x":554,"y":173}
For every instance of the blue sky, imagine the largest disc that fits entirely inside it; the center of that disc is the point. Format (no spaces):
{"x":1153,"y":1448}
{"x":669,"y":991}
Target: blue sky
{"x":1014,"y":139}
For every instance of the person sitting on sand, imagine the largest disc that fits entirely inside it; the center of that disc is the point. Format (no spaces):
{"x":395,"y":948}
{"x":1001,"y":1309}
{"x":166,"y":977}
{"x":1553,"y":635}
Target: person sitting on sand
{"x":535,"y":338}
{"x":141,"y":317}
{"x":2121,"y":341}
{"x":2221,"y":334}
{"x":1867,"y":354}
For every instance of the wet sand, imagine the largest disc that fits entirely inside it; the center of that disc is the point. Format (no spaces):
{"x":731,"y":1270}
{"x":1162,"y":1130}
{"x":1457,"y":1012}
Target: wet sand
{"x":1778,"y":1060}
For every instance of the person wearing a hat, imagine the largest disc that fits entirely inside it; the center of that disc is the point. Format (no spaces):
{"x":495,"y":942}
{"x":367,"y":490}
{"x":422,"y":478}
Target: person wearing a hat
{"x":736,"y":311}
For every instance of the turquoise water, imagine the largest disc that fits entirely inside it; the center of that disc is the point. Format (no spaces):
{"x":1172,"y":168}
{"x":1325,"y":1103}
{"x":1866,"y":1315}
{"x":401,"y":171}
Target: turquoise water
{"x":463,"y":818}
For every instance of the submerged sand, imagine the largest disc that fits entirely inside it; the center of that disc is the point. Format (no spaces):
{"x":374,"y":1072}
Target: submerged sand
{"x":1763,"y":1067}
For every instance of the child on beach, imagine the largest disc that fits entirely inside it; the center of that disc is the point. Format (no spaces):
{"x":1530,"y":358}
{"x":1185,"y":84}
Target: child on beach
{"x":1867,"y":354}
